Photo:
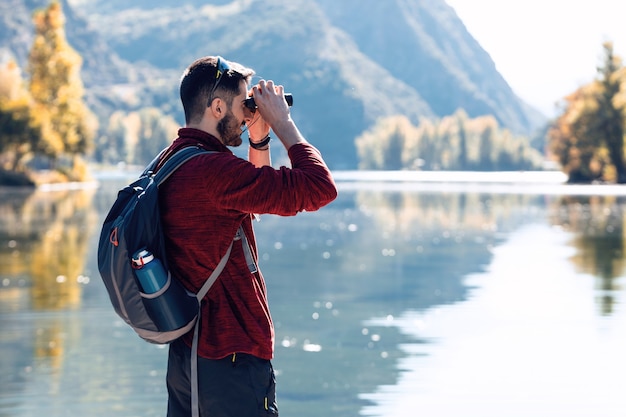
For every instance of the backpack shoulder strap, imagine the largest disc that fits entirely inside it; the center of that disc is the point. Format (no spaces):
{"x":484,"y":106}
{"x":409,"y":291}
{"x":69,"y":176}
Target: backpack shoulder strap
{"x":215,"y":274}
{"x":150,"y":168}
{"x":174,"y":162}
{"x":222,"y":263}
{"x":195,"y":410}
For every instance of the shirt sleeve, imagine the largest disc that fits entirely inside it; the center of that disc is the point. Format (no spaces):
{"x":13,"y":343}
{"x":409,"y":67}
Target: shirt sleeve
{"x":306,"y":186}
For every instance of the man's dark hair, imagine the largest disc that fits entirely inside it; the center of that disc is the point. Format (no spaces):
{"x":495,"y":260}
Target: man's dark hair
{"x":198,"y":80}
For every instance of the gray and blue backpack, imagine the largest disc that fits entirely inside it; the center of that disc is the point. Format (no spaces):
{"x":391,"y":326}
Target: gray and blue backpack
{"x":132,"y":227}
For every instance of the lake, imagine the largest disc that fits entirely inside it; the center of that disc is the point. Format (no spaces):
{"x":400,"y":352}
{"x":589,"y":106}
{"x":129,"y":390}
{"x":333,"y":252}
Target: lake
{"x":451,"y":294}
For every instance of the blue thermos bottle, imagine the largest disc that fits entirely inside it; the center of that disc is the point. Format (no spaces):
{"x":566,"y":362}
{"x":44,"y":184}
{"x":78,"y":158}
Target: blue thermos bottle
{"x":149,"y":271}
{"x":166,"y":301}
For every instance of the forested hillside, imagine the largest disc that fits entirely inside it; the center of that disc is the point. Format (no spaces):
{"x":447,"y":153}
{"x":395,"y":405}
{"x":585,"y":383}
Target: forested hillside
{"x":348,"y":63}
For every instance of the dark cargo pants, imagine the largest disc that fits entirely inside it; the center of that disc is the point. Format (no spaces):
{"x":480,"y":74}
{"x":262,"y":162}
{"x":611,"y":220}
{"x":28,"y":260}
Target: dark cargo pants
{"x":239,"y":385}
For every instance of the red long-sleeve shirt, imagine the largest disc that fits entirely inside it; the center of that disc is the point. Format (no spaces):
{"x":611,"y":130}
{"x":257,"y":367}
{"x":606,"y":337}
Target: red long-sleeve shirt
{"x":202,"y":205}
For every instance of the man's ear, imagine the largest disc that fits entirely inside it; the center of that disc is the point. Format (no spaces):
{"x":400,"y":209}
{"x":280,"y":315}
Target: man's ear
{"x":217,"y":108}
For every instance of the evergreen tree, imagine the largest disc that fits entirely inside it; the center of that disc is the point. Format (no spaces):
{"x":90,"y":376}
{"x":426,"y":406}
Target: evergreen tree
{"x":610,"y":115}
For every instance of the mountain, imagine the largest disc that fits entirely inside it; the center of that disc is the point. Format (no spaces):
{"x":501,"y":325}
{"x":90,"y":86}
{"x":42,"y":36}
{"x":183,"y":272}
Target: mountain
{"x":346,"y":62}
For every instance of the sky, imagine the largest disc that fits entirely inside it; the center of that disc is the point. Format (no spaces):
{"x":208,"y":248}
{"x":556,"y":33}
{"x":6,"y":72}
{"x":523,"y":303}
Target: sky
{"x":545,"y":49}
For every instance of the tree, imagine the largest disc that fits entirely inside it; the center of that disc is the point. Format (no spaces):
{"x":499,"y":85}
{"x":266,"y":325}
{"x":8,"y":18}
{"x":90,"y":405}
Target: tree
{"x":56,"y":87}
{"x":111,"y":145}
{"x":18,"y":132}
{"x":383,"y":146}
{"x":155,"y":133}
{"x":427,"y":146}
{"x":572,"y":137}
{"x":486,"y":146}
{"x":610,"y":115}
{"x":463,"y":157}
{"x":393,"y":150}
{"x":588,"y":137}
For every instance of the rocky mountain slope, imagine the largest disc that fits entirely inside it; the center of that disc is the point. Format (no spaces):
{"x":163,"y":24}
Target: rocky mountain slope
{"x":347,"y":63}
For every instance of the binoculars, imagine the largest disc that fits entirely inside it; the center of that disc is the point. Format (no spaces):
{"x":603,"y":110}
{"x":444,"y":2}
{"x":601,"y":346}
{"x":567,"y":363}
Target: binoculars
{"x":250,"y":104}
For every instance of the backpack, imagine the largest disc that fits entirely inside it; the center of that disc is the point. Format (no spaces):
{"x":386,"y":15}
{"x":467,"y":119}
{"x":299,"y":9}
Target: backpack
{"x":133,"y":224}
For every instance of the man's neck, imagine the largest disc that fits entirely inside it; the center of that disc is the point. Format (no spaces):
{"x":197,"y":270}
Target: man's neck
{"x":205,"y":126}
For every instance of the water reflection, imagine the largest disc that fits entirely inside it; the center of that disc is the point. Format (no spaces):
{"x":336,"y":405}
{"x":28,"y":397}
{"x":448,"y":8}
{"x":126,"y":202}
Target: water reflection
{"x":372,"y":253}
{"x":525,"y":341}
{"x":597,"y":223}
{"x":45,"y":235}
{"x":44,"y":239}
{"x":403,"y":212}
{"x":376,"y":252}
{"x":598,"y":226}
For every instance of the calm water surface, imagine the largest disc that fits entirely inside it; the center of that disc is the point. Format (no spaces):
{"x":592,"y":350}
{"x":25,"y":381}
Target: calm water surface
{"x":398,"y":299}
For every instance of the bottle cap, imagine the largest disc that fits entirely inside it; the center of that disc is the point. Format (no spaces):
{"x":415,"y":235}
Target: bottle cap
{"x":142,"y":257}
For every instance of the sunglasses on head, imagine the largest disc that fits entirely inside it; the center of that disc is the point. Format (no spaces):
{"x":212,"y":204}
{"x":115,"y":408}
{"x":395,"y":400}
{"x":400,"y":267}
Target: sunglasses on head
{"x":222,"y":68}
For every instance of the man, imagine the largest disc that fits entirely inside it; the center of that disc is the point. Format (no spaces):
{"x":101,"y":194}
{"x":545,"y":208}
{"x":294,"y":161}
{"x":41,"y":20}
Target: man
{"x":202,"y":206}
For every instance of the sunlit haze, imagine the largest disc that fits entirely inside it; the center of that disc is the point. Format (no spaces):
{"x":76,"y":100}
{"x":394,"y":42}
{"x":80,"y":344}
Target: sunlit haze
{"x":545,"y":49}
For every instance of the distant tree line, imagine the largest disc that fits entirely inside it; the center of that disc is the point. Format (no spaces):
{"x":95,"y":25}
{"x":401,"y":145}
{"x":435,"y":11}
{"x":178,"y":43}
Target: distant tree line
{"x":588,"y":138}
{"x":134,"y":138}
{"x":455,"y":142}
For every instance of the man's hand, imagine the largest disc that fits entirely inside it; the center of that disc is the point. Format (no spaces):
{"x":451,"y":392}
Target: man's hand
{"x":272,"y":106}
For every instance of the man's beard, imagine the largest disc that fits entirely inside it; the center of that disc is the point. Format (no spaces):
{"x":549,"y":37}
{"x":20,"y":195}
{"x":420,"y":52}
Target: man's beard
{"x":229,"y":130}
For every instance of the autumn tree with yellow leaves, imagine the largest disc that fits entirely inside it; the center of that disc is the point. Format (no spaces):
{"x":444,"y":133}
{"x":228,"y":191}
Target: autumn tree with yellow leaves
{"x":56,"y":87}
{"x":46,"y":123}
{"x":588,"y":138}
